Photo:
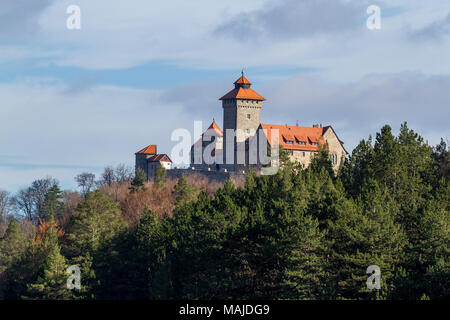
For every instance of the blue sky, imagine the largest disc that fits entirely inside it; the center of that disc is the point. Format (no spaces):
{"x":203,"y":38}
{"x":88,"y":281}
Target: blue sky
{"x":79,"y":100}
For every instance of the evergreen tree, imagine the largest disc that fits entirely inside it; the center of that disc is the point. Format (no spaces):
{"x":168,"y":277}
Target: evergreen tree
{"x":160,"y":177}
{"x":183,"y":192}
{"x":51,"y":283}
{"x":364,"y":234}
{"x":137,"y":183}
{"x":12,"y":246}
{"x":53,"y":207}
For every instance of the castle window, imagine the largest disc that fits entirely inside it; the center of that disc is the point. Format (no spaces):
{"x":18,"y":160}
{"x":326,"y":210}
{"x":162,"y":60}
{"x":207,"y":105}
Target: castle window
{"x":248,"y":130}
{"x":292,"y":153}
{"x":303,"y":153}
{"x":248,"y":116}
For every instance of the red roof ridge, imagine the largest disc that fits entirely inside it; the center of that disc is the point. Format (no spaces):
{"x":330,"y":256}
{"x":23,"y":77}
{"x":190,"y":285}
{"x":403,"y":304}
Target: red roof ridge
{"x":151,"y":149}
{"x":242,"y":93}
{"x":159,"y":157}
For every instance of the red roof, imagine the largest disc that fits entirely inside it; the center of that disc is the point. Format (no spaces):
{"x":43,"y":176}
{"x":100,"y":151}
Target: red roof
{"x":210,"y":132}
{"x":159,"y":158}
{"x":242,"y":80}
{"x":214,"y":127}
{"x":151,"y":149}
{"x":241,"y":93}
{"x":313,"y":135}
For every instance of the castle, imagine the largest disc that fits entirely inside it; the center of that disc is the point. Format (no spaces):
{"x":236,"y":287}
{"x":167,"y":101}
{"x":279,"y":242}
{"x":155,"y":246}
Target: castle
{"x":230,"y":150}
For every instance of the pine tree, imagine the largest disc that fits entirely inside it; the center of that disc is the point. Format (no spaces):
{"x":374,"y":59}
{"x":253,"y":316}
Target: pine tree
{"x":93,"y":232}
{"x":183,"y":192}
{"x":137,"y":184}
{"x":12,"y":246}
{"x":51,"y":283}
{"x":365,"y":234}
{"x":53,"y":207}
{"x":160,"y":177}
{"x":95,"y":220}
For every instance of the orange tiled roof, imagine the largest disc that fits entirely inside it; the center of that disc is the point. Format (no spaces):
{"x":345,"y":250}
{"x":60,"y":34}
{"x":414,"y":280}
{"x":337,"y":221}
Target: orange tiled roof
{"x":215,"y":127}
{"x":288,"y":132}
{"x":242,"y":80}
{"x":159,"y":158}
{"x":151,"y":149}
{"x":241,"y":93}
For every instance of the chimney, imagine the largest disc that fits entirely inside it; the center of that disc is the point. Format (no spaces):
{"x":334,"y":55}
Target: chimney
{"x":315,"y":125}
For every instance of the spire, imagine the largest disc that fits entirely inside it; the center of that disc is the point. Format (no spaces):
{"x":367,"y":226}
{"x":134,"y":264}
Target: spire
{"x":242,"y":82}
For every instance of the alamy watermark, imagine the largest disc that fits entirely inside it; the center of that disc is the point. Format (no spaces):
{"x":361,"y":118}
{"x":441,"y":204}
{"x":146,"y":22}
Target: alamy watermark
{"x":374,"y":280}
{"x":234,"y":147}
{"x":74,"y":20}
{"x":374,"y":20}
{"x":74,"y":281}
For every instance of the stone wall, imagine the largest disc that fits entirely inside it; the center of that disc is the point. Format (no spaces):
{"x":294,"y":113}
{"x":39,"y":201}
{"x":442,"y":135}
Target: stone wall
{"x":218,"y":176}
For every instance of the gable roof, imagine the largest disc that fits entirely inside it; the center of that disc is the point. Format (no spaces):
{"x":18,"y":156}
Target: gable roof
{"x":151,"y":149}
{"x":326,"y":128}
{"x":214,"y":127}
{"x":160,"y":158}
{"x":304,"y":134}
{"x":213,"y":130}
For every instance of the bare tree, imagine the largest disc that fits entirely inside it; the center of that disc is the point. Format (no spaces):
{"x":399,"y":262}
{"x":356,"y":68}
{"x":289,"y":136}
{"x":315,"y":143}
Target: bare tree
{"x":86,"y":181}
{"x":108,"y":177}
{"x":39,"y":189}
{"x":71,"y":200}
{"x":123,"y":173}
{"x":5,"y":204}
{"x":23,"y":201}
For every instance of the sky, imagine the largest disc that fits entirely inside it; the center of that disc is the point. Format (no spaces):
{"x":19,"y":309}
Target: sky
{"x":77,"y":100}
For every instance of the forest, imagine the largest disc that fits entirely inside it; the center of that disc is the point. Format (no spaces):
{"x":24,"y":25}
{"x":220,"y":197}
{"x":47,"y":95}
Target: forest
{"x":298,"y":234}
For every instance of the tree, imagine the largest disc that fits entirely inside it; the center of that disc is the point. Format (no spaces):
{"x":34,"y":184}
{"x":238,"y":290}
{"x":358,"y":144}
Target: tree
{"x":95,"y":220}
{"x":441,"y":157}
{"x":123,"y":173}
{"x":12,"y":245}
{"x":183,"y":192}
{"x":160,"y":177}
{"x":30,"y":200}
{"x":51,"y":283}
{"x":39,"y":189}
{"x":359,"y":168}
{"x":24,"y":202}
{"x":85,"y":181}
{"x":5,"y":205}
{"x":108,"y":177}
{"x":91,"y":240}
{"x":138,"y":182}
{"x":322,"y":162}
{"x":53,"y":206}
{"x":364,"y":234}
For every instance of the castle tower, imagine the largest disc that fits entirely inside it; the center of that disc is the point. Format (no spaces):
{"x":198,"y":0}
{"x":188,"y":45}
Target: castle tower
{"x":241,"y":112}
